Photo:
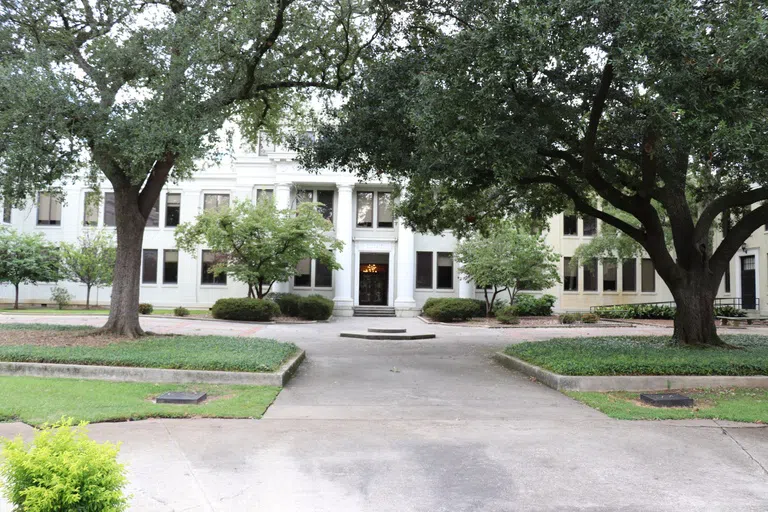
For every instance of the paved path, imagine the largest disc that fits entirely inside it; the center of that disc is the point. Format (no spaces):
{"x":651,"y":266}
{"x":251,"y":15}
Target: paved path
{"x":427,"y":426}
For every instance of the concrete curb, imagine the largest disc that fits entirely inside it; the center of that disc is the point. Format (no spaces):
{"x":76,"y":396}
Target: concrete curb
{"x":557,"y":326}
{"x":628,"y":382}
{"x":154,"y":375}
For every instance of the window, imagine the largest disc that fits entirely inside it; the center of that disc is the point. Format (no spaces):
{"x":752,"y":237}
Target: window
{"x":590,"y":276}
{"x":648,"y":276}
{"x":153,"y":220}
{"x":323,"y":275}
{"x":90,"y":210}
{"x":629,"y":275}
{"x":445,"y":270}
{"x":570,"y":276}
{"x":172,"y":210}
{"x":325,"y":198}
{"x":303,"y":196}
{"x":384,"y":210}
{"x":423,"y":270}
{"x":590,"y":225}
{"x":215,"y":201}
{"x":264,"y":194}
{"x":170,"y":266}
{"x":303,"y":275}
{"x":210,"y":259}
{"x":365,"y":209}
{"x":610,"y":276}
{"x":48,"y":210}
{"x":570,"y":225}
{"x":7,"y":213}
{"x":109,"y":209}
{"x":727,"y":278}
{"x":149,"y":266}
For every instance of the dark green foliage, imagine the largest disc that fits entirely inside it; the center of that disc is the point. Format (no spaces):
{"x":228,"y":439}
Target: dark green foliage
{"x":146,"y":308}
{"x":315,"y":307}
{"x":569,"y":318}
{"x":452,"y":310}
{"x":729,"y":311}
{"x":181,"y":311}
{"x":476,"y":306}
{"x":508,"y":315}
{"x":590,"y":318}
{"x":642,"y":311}
{"x":645,"y":355}
{"x":251,"y":310}
{"x":288,"y":302}
{"x":528,"y":305}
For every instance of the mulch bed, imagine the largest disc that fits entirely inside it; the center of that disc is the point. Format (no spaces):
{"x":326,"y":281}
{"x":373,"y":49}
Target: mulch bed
{"x":61,"y":338}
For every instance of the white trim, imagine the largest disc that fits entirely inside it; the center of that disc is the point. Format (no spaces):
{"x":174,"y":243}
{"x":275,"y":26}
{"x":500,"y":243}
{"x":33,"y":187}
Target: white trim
{"x":378,"y":248}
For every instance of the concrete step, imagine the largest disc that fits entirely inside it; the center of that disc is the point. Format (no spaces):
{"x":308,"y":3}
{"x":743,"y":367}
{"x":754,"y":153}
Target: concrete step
{"x":385,"y":336}
{"x":373,"y":311}
{"x":386,"y":331}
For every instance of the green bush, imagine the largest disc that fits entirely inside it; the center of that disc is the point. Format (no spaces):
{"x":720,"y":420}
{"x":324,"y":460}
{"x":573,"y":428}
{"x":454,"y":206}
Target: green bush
{"x":62,"y":469}
{"x":569,"y":318}
{"x":252,"y":310}
{"x":589,"y":318}
{"x":640,"y":311}
{"x":61,"y":296}
{"x":730,"y":311}
{"x":508,"y":315}
{"x":451,"y":310}
{"x":288,"y":302}
{"x":476,"y":306}
{"x":528,"y":305}
{"x":181,"y":311}
{"x":145,"y":308}
{"x":315,"y":307}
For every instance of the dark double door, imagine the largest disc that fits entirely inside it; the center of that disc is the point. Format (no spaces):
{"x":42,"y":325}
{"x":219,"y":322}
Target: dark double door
{"x":374,"y":285}
{"x":748,"y":285}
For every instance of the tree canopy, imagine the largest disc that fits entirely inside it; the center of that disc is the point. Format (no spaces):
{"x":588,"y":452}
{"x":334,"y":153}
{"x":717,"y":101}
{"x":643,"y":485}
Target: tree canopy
{"x":27,"y":258}
{"x":259,"y":244}
{"x":90,"y":261}
{"x":528,"y":106}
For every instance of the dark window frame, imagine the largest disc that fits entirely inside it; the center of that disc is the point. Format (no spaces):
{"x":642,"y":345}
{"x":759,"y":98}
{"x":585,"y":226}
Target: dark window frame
{"x":643,"y":268}
{"x":629,"y":263}
{"x":144,"y":253}
{"x":592,"y":225}
{"x":207,"y":278}
{"x":51,"y":202}
{"x":570,"y":282}
{"x":177,"y":207}
{"x":567,"y":221}
{"x":429,"y":275}
{"x":438,"y":276}
{"x":607,"y":265}
{"x":109,"y":209}
{"x":218,"y":195}
{"x":165,"y":266}
{"x":309,"y":277}
{"x":591,"y":278}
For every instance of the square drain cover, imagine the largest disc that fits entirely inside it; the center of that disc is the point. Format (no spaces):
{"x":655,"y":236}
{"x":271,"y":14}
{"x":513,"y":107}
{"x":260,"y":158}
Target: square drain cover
{"x":667,"y":400}
{"x":181,"y":397}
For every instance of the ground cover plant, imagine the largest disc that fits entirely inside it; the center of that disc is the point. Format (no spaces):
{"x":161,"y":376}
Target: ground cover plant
{"x":39,"y":400}
{"x":749,"y":405}
{"x":644,"y":355}
{"x":76,"y":345}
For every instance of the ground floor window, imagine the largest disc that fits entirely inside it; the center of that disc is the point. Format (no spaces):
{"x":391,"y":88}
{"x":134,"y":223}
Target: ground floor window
{"x":570,"y":276}
{"x":149,"y":266}
{"x":445,"y":270}
{"x":210,"y":259}
{"x":303,"y":277}
{"x":590,"y":275}
{"x":424,"y":270}
{"x":629,"y":275}
{"x":648,"y":276}
{"x":610,"y":275}
{"x":307,"y":269}
{"x":170,"y":266}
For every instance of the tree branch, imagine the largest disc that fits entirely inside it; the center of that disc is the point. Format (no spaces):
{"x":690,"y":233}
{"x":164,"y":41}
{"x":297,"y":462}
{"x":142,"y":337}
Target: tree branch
{"x":725,"y":202}
{"x":736,"y":236}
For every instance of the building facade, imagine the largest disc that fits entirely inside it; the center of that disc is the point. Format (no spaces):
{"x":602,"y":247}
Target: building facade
{"x":384,"y":264}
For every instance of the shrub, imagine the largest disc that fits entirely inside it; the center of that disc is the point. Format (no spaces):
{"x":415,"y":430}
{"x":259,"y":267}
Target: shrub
{"x":451,"y":310}
{"x":528,"y":305}
{"x":589,"y":318}
{"x":62,"y":469}
{"x":61,"y":296}
{"x":145,"y":308}
{"x":315,"y":307}
{"x":288,"y":302}
{"x":569,"y":318}
{"x":252,"y":310}
{"x":642,"y":311}
{"x":476,"y":306}
{"x":181,"y":311}
{"x":508,"y":315}
{"x":729,"y":311}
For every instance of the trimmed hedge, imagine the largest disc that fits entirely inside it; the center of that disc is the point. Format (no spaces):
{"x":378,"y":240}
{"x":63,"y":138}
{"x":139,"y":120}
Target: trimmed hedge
{"x":252,"y":310}
{"x":656,"y":312}
{"x":476,"y":306}
{"x":508,"y":315}
{"x":181,"y":311}
{"x":315,"y":307}
{"x":288,"y":302}
{"x":145,"y":308}
{"x":528,"y":305}
{"x":452,"y":310}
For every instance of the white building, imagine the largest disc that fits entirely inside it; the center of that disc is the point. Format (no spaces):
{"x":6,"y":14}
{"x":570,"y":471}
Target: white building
{"x":385,"y":265}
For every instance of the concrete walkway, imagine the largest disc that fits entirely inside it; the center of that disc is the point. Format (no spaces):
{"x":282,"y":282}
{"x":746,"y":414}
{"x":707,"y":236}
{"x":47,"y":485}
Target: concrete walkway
{"x":428,"y":426}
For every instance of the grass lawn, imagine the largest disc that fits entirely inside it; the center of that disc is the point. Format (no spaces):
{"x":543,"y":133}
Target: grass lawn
{"x":644,"y":355}
{"x":177,"y":352}
{"x":39,"y":400}
{"x":93,"y":311}
{"x":749,"y":405}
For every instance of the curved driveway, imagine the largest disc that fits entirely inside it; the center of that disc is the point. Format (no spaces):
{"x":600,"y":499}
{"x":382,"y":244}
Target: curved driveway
{"x":427,"y":426}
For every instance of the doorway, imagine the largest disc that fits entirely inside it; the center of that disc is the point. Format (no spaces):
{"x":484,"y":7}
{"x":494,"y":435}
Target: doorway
{"x":374,"y":278}
{"x":748,"y":287}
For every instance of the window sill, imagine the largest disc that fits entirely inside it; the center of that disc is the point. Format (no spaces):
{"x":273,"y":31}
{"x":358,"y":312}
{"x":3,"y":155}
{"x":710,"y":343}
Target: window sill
{"x":170,"y":285}
{"x":211,"y":285}
{"x":48,"y":226}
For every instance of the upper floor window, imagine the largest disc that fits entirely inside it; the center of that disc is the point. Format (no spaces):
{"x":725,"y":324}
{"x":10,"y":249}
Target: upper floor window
{"x":91,"y":209}
{"x":215,"y":201}
{"x":324,"y":197}
{"x":384,"y":218}
{"x":381,"y":216}
{"x":365,"y":209}
{"x":48,"y":210}
{"x":570,"y":225}
{"x":590,"y":225}
{"x":153,"y":220}
{"x":264,"y":194}
{"x":172,"y":210}
{"x":109,"y":209}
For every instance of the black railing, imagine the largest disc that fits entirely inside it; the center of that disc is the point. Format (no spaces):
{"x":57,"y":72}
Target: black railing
{"x":736,"y":302}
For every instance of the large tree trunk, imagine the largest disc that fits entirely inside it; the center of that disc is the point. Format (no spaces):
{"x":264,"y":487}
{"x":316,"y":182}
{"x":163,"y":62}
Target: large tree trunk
{"x":695,"y":317}
{"x":124,"y":305}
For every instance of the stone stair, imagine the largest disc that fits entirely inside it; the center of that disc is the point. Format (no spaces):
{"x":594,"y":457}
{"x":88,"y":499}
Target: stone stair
{"x":373,"y":311}
{"x":387,"y":334}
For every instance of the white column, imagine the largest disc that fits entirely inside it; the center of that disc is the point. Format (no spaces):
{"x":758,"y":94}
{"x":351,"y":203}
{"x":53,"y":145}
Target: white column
{"x":466,"y":287}
{"x":343,"y":278}
{"x":283,"y":202}
{"x":406,"y":264}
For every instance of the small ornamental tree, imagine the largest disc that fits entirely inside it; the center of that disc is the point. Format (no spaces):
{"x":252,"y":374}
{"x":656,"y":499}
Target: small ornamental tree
{"x":26,"y":258}
{"x":259,"y":244}
{"x":90,"y":261}
{"x":507,"y":259}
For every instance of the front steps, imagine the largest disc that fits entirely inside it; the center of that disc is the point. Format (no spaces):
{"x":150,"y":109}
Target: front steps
{"x":373,"y":311}
{"x":387,"y":334}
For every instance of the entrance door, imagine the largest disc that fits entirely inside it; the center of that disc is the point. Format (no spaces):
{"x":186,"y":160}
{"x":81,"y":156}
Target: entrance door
{"x":748,"y":289}
{"x":374,"y":279}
